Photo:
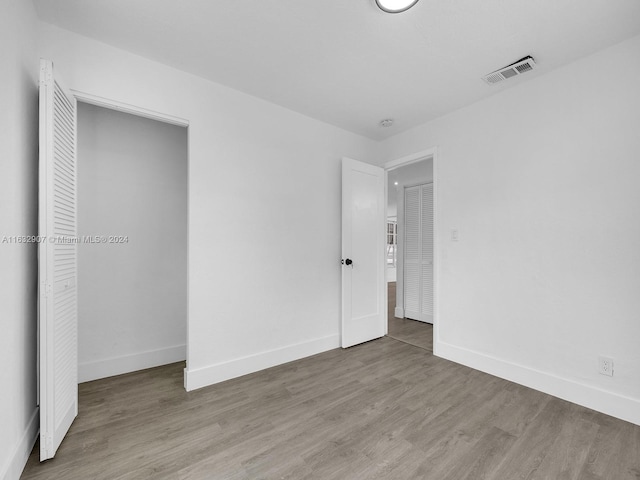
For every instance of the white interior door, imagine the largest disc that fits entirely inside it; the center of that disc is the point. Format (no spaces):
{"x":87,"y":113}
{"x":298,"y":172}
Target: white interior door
{"x":363,"y":252}
{"x":57,"y":263}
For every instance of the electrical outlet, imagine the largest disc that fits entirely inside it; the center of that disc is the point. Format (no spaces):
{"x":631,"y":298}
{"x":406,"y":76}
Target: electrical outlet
{"x":605,"y":366}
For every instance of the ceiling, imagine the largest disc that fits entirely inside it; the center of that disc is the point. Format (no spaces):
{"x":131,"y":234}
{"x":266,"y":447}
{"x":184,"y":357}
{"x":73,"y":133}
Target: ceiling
{"x":346,"y":62}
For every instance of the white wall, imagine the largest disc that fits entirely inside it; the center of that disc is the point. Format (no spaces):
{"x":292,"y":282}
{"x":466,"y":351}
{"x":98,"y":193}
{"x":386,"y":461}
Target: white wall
{"x":541,"y":181}
{"x":271,"y":177}
{"x":132,"y":182}
{"x":18,"y":216}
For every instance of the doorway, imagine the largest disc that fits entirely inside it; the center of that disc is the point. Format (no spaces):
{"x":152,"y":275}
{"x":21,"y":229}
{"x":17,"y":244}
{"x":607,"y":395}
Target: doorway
{"x":132,"y":253}
{"x":410,"y":292}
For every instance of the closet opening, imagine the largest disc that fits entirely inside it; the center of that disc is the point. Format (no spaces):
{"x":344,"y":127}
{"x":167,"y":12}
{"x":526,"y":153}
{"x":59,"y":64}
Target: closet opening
{"x":132,"y":253}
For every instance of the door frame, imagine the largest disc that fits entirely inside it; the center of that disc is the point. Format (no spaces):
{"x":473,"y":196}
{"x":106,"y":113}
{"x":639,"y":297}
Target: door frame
{"x":111,"y":104}
{"x":430,"y":153}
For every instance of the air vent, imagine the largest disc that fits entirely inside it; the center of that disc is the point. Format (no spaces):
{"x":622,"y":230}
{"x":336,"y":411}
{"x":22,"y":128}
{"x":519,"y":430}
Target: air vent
{"x":521,"y":66}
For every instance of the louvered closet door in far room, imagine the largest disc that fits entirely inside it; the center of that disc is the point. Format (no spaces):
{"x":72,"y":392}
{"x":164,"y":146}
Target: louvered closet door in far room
{"x":418,"y":252}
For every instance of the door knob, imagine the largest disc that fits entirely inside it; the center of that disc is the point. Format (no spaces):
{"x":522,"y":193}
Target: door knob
{"x":348,"y":261}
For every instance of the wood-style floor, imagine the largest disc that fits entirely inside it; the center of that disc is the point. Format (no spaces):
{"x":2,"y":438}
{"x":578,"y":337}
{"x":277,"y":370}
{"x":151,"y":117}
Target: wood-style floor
{"x":416,"y":333}
{"x":382,"y":410}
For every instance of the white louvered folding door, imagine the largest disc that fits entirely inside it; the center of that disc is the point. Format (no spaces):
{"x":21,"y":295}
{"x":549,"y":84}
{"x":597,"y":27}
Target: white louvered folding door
{"x":57,"y":260}
{"x":412,"y":252}
{"x":426,"y":227}
{"x":418,"y":253}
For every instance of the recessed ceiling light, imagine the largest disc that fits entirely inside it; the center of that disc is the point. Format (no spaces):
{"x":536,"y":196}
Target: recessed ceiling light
{"x":395,"y":183}
{"x":387,"y":122}
{"x":395,"y":6}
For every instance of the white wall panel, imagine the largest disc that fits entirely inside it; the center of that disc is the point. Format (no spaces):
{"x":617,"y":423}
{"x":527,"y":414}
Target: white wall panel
{"x":270,"y":176}
{"x":544,"y":275}
{"x":18,"y":216}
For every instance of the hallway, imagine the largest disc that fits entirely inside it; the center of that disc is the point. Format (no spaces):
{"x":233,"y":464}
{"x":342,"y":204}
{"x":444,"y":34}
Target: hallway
{"x":413,"y":332}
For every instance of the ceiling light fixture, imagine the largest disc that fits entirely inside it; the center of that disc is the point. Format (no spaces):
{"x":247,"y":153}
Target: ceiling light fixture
{"x":395,"y":6}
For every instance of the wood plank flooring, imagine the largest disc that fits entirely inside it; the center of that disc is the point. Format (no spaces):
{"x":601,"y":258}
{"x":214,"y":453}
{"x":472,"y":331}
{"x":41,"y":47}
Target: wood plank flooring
{"x":381,"y":410}
{"x":413,"y":332}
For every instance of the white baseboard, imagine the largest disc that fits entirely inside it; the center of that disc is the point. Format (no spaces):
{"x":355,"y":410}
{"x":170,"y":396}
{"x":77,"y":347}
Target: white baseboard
{"x":398,"y":312}
{"x":202,"y":377}
{"x":426,"y":319}
{"x":14,"y":467}
{"x":616,"y":405}
{"x":130,"y":363}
